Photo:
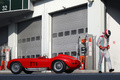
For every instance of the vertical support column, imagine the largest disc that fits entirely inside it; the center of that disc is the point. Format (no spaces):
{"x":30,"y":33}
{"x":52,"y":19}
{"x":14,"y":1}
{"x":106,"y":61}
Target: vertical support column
{"x":105,"y":20}
{"x":50,"y":35}
{"x":94,"y":52}
{"x":96,"y":22}
{"x":46,"y":33}
{"x":12,"y":39}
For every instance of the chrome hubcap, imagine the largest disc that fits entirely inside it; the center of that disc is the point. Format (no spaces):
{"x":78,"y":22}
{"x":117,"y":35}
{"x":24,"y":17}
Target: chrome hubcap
{"x":58,"y":66}
{"x":15,"y":67}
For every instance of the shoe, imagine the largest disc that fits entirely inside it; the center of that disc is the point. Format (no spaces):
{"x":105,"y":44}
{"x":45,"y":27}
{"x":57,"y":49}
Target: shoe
{"x":100,"y":71}
{"x":111,"y":70}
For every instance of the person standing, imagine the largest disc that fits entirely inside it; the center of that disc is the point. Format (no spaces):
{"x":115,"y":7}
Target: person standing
{"x":103,"y":44}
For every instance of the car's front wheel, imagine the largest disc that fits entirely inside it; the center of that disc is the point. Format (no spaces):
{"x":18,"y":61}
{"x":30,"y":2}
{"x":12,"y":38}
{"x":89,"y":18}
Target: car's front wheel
{"x":16,"y":67}
{"x":58,"y":66}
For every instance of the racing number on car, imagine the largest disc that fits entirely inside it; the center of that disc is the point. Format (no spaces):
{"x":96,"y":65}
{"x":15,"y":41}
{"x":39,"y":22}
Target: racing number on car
{"x":33,"y":64}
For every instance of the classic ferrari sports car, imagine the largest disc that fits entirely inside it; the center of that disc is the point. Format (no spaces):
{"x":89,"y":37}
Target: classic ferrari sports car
{"x":59,"y":64}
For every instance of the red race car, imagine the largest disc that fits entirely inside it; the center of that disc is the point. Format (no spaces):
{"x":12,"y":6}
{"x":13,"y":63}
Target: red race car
{"x":59,"y":64}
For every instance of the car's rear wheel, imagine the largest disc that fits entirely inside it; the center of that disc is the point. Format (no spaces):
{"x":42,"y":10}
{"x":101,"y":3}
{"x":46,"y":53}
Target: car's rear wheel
{"x":16,"y":67}
{"x":58,"y":66}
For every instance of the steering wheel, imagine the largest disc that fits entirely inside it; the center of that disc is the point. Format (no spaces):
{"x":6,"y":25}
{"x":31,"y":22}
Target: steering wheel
{"x":45,"y":56}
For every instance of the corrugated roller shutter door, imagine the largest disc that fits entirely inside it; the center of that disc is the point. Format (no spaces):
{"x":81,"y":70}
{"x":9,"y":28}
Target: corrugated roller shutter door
{"x":67,"y":25}
{"x":29,"y":34}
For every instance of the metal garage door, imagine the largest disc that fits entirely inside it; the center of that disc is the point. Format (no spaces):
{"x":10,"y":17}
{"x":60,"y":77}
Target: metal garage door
{"x":4,"y":36}
{"x":29,"y":38}
{"x":67,"y":25}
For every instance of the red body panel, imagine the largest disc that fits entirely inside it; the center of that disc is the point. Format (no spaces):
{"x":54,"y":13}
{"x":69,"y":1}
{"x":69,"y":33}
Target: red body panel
{"x":71,"y":62}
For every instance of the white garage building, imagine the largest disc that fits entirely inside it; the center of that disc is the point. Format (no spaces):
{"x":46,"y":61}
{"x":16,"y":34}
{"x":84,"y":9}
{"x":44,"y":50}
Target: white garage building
{"x":46,"y":27}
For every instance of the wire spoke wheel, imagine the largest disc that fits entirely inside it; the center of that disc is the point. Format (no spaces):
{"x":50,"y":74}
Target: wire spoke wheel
{"x":58,"y":66}
{"x":16,"y":68}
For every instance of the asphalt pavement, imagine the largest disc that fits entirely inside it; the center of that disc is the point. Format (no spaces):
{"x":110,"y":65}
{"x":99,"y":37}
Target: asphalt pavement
{"x":52,"y":76}
{"x":73,"y":76}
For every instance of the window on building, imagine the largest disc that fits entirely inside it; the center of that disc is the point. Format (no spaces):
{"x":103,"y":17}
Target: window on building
{"x":60,"y":53}
{"x":28,"y":56}
{"x":54,"y":35}
{"x":73,"y":53}
{"x":80,"y":31}
{"x":37,"y":37}
{"x":32,"y":38}
{"x":28,"y":39}
{"x":73,"y":32}
{"x":67,"y":33}
{"x":67,"y":53}
{"x":60,"y":34}
{"x":23,"y":56}
{"x":32,"y":56}
{"x":23,"y":40}
{"x":37,"y":55}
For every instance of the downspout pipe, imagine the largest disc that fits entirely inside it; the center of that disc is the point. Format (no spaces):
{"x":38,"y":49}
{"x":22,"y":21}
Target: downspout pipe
{"x":105,"y":25}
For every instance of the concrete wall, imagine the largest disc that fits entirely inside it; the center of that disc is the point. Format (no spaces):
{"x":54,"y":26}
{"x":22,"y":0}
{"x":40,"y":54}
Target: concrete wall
{"x":113,"y":24}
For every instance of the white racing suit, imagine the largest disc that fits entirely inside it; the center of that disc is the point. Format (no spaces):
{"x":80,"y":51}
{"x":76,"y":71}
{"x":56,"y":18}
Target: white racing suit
{"x":103,"y":44}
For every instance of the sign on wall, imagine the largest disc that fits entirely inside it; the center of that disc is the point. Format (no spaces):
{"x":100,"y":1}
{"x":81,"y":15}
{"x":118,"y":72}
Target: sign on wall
{"x":9,"y":5}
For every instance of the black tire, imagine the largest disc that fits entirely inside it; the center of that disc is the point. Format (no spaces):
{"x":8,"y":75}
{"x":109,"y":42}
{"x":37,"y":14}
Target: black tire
{"x":58,"y":66}
{"x":69,"y":71}
{"x":28,"y":72}
{"x":16,"y":67}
